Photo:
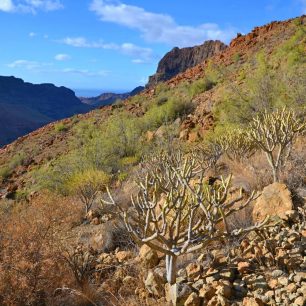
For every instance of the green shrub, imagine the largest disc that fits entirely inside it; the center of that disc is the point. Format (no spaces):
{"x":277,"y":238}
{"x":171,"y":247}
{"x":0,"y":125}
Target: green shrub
{"x":21,"y":195}
{"x":60,"y":127}
{"x":236,"y":57}
{"x":122,"y":176}
{"x":200,"y":86}
{"x":5,"y":172}
{"x":87,"y":184}
{"x":129,"y":161}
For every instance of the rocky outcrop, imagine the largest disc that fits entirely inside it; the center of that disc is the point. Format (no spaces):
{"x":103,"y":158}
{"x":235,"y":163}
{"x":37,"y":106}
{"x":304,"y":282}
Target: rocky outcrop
{"x":179,"y":60}
{"x":275,"y":200}
{"x":26,"y":107}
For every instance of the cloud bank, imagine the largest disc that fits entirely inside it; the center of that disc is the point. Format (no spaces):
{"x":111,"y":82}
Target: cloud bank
{"x":140,"y":54}
{"x":159,"y":28}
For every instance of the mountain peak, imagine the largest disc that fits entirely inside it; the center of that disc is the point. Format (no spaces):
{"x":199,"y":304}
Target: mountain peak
{"x":179,"y":60}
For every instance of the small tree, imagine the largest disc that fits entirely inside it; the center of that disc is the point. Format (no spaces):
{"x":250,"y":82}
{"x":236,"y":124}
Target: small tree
{"x":274,"y":133}
{"x":176,"y":213}
{"x":87,"y":184}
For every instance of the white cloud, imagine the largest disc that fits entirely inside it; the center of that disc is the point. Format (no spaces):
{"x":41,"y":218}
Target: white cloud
{"x":28,"y":65}
{"x":144,"y":54}
{"x":85,"y":72}
{"x":81,"y":42}
{"x":32,"y":34}
{"x":160,"y":28}
{"x":6,"y":5}
{"x":30,"y":6}
{"x":49,"y":68}
{"x":62,"y":57}
{"x":46,"y":5}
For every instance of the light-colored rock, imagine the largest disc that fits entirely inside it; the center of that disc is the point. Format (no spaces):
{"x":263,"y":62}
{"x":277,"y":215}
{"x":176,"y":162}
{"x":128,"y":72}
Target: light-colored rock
{"x":283,"y":280}
{"x":124,"y":256}
{"x":243,"y":267}
{"x":193,"y":270}
{"x":193,"y":300}
{"x":251,"y":301}
{"x":218,"y":300}
{"x":207,"y":292}
{"x":277,"y":273}
{"x":225,"y":291}
{"x":300,"y":276}
{"x":300,"y":301}
{"x":154,"y":284}
{"x":148,"y":257}
{"x":275,"y":200}
{"x":292,"y":215}
{"x":181,"y":291}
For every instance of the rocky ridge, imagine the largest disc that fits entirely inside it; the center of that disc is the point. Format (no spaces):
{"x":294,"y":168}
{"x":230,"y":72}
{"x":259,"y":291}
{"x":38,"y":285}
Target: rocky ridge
{"x":179,"y":60}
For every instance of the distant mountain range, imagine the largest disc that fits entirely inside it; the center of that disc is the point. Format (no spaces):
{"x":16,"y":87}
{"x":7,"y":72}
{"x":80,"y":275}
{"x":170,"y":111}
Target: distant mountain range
{"x":109,"y":98}
{"x":25,"y":107}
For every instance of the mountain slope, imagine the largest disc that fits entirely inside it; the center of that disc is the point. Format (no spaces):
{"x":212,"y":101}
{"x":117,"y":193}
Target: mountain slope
{"x":26,"y":107}
{"x":230,"y":70}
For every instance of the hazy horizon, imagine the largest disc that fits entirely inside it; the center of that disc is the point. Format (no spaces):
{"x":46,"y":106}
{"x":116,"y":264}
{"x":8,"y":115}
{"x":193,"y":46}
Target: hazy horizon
{"x":90,"y":92}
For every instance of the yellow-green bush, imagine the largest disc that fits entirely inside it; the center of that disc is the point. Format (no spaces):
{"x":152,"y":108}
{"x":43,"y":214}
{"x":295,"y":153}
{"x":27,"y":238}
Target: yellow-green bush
{"x":87,"y":184}
{"x":60,"y":127}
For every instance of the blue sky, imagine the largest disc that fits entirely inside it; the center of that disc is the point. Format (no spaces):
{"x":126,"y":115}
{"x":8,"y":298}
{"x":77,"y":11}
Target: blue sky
{"x":116,"y":44}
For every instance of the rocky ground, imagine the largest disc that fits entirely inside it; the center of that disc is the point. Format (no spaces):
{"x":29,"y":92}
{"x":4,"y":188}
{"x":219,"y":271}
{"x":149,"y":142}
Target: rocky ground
{"x":266,"y":267}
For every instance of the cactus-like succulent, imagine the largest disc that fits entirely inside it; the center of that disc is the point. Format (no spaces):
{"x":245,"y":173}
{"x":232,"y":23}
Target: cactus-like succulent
{"x":176,"y":212}
{"x":274,"y":133}
{"x":237,"y":144}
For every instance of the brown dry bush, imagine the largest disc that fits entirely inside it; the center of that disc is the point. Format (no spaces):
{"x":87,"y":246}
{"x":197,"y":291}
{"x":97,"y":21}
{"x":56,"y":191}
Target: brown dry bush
{"x":29,"y":238}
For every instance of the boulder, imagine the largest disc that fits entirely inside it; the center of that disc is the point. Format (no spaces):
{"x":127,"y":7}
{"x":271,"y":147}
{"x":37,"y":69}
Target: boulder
{"x":148,"y":257}
{"x":194,"y":270}
{"x":250,"y":301}
{"x":218,"y":300}
{"x":154,"y":284}
{"x":207,"y":292}
{"x":275,"y":200}
{"x":123,"y":256}
{"x":182,"y":292}
{"x":193,"y":300}
{"x":243,"y":267}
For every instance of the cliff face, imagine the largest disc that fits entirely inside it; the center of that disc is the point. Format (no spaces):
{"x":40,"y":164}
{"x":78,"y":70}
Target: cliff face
{"x":179,"y":60}
{"x":26,"y":107}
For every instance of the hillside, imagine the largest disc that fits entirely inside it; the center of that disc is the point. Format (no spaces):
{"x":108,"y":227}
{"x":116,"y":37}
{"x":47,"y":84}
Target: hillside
{"x":192,"y":192}
{"x":26,"y":107}
{"x":235,"y":59}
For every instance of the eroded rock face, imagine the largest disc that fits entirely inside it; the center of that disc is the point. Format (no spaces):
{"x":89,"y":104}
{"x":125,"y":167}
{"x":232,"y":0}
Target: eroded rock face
{"x":179,"y":60}
{"x":275,"y":200}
